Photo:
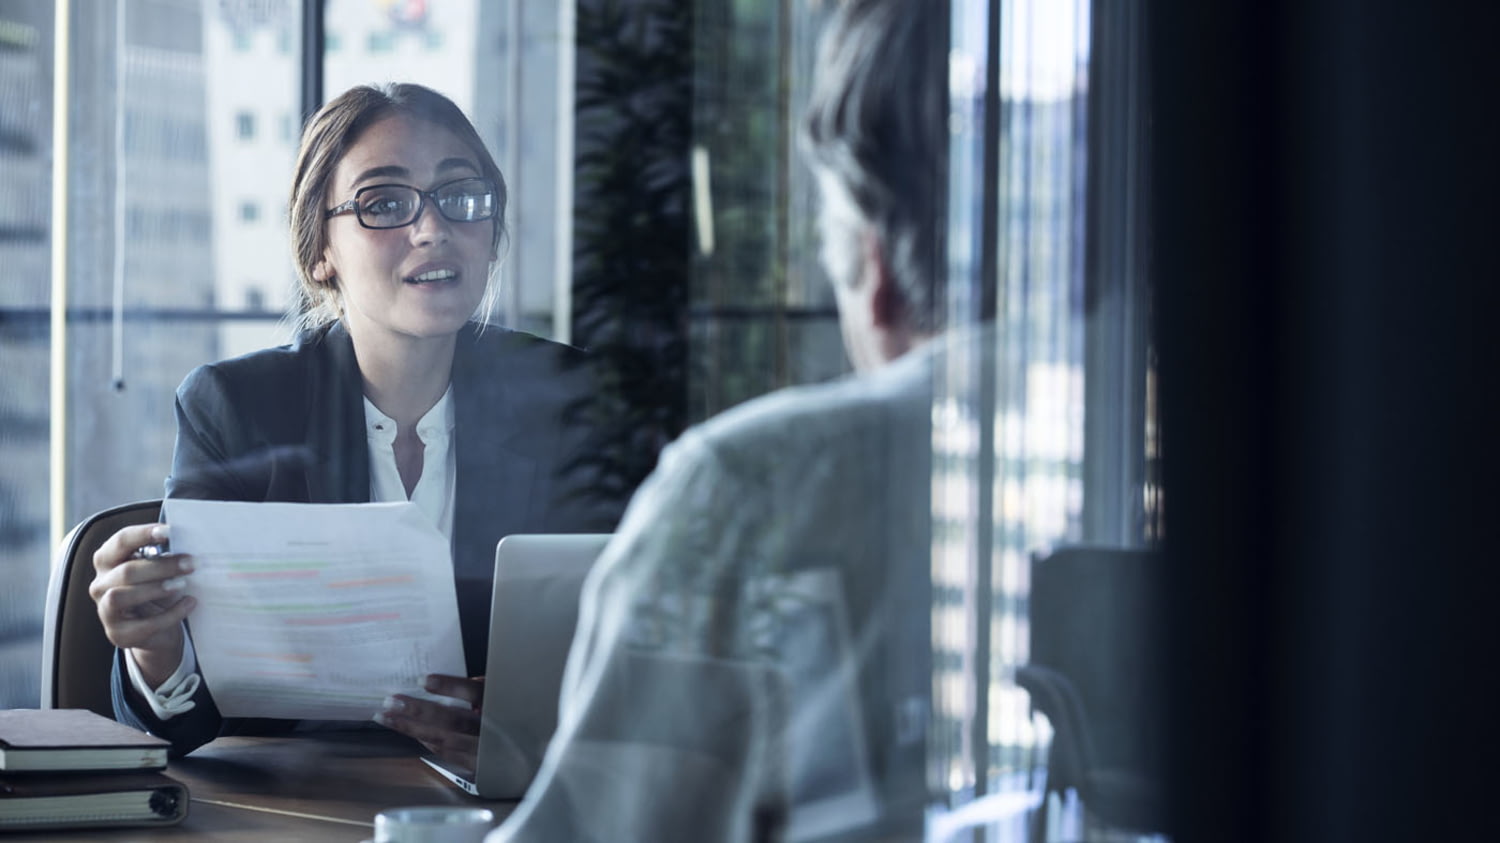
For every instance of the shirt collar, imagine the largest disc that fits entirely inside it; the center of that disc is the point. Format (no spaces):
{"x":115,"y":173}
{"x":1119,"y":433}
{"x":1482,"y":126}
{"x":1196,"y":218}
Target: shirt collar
{"x":435,"y":424}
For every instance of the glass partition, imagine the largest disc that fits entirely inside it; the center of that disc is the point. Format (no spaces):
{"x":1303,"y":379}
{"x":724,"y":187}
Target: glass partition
{"x":1041,"y":442}
{"x":180,"y":126}
{"x":672,"y":227}
{"x":25,"y":222}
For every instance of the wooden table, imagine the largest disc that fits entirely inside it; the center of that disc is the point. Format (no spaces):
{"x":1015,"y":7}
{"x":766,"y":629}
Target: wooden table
{"x":318,"y":787}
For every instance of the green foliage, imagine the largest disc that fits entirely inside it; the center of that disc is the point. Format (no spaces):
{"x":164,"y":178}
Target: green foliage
{"x":632,"y":225}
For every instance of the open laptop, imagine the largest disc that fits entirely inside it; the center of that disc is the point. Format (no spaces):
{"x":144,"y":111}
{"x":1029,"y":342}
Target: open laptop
{"x":533,"y":612}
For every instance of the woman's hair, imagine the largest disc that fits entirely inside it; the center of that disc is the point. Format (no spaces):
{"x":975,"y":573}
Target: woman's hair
{"x":326,"y":139}
{"x":876,"y":126}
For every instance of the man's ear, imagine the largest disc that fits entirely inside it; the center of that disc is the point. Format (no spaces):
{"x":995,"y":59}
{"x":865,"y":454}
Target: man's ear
{"x":885,"y":310}
{"x":887,"y":306}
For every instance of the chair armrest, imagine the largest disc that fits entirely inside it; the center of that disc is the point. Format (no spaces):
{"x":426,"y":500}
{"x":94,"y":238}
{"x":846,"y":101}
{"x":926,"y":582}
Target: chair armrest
{"x":1072,"y":756}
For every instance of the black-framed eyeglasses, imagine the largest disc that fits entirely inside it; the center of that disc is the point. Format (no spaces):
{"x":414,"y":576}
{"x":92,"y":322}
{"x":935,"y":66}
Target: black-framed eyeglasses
{"x":380,"y":206}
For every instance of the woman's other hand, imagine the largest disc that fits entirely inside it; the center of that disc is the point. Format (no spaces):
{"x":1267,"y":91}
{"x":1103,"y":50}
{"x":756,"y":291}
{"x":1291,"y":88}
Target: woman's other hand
{"x":450,"y":732}
{"x":140,"y":600}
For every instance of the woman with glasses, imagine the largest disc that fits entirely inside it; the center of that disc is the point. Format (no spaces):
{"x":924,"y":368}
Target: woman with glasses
{"x":393,"y":390}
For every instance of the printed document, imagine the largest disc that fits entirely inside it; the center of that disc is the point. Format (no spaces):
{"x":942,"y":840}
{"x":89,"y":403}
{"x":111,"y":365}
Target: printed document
{"x":316,"y":611}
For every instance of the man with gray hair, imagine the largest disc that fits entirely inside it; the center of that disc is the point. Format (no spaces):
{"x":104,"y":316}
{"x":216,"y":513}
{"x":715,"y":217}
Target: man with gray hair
{"x":753,"y":654}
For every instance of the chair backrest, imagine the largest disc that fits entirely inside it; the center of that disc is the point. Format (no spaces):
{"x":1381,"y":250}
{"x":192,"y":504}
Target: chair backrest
{"x":1095,"y":618}
{"x":76,"y":654}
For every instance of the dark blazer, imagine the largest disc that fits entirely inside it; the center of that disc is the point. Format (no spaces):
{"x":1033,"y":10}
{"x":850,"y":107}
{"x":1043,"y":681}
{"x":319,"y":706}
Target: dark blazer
{"x":288,"y":424}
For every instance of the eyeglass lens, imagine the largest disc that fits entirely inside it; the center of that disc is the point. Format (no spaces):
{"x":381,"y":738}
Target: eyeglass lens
{"x":395,"y":205}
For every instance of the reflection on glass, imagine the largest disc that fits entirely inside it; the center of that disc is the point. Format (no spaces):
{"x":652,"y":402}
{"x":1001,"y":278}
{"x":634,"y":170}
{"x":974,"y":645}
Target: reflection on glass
{"x":1008,"y":432}
{"x":25,"y":210}
{"x":174,"y":254}
{"x":762,"y":311}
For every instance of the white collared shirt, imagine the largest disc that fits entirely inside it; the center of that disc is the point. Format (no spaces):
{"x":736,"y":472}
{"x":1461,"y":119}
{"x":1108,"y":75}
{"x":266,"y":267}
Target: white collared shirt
{"x":433,"y":494}
{"x":434,"y":491}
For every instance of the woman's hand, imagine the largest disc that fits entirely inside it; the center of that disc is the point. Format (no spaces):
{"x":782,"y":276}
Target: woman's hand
{"x":450,"y":732}
{"x":140,"y":599}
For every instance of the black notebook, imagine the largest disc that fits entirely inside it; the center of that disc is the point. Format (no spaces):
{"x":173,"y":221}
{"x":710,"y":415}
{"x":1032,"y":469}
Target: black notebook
{"x":74,"y":739}
{"x":81,"y":800}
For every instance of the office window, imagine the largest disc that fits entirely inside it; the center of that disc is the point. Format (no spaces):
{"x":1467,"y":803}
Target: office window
{"x":25,"y":208}
{"x":156,"y":237}
{"x":1054,"y":450}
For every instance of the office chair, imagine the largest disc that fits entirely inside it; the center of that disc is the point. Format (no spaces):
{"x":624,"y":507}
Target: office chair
{"x":75,"y":653}
{"x":1094,"y":673}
